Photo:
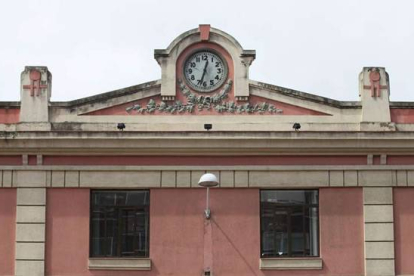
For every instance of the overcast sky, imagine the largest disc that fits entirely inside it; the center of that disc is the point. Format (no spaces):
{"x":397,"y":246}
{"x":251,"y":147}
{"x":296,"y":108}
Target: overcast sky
{"x":316,"y":46}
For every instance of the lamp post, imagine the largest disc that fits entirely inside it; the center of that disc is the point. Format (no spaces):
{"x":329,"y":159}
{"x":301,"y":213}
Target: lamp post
{"x":208,"y":180}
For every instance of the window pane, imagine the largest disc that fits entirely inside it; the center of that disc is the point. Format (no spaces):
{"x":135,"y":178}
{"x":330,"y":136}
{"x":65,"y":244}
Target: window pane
{"x":112,"y":222}
{"x":104,"y":198}
{"x":290,"y":197}
{"x":268,"y":239}
{"x":98,"y":233}
{"x":137,"y":198}
{"x":297,"y":232}
{"x":289,"y":223}
{"x":119,"y":223}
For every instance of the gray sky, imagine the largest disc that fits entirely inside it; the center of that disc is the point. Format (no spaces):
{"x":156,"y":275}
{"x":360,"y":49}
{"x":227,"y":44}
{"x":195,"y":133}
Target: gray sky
{"x":316,"y":46}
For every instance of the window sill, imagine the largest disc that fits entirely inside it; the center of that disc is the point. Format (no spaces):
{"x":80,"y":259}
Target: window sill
{"x":119,"y":264}
{"x":290,"y":263}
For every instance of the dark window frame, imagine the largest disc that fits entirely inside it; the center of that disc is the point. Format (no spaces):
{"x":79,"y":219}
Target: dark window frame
{"x":291,"y":206}
{"x":121,"y":223}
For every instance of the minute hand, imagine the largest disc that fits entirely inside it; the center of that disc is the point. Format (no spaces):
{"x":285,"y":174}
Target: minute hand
{"x":204,"y":72}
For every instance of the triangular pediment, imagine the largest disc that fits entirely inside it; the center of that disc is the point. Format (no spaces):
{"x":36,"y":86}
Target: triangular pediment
{"x":146,"y":100}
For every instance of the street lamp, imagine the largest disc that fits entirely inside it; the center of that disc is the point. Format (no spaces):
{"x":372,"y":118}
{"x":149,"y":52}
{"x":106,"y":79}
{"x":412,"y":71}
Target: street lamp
{"x":208,"y":180}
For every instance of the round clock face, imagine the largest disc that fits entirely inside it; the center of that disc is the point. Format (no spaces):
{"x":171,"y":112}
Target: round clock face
{"x":205,"y":71}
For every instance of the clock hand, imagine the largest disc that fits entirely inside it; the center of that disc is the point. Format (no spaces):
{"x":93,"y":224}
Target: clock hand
{"x":204,"y":72}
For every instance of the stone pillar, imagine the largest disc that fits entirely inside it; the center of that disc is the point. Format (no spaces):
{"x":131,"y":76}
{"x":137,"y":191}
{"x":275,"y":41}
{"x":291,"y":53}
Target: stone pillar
{"x":379,"y":231}
{"x":30,"y":232}
{"x":35,"y":92}
{"x":374,"y":93}
{"x":241,"y":87}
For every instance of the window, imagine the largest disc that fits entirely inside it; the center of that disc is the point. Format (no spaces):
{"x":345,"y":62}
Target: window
{"x":289,"y":223}
{"x":119,"y":223}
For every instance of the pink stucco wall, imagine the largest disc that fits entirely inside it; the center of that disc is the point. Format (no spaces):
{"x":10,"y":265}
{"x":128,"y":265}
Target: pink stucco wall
{"x":404,"y":225}
{"x":177,"y":233}
{"x":205,"y":160}
{"x":9,"y":115}
{"x":402,"y":115}
{"x":67,"y":234}
{"x":7,"y":230}
{"x":10,"y":160}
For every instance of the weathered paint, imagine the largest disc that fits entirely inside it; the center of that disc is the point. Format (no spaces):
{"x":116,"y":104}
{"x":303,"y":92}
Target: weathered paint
{"x":206,"y":160}
{"x":7,"y":230}
{"x":177,"y":228}
{"x":403,"y":228}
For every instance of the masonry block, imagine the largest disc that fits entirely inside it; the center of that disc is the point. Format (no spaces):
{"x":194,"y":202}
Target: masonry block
{"x":30,"y":232}
{"x":378,"y":213}
{"x":30,"y":251}
{"x":30,"y":268}
{"x":183,"y":178}
{"x":241,"y":179}
{"x":379,"y":268}
{"x":29,"y":178}
{"x":58,"y":178}
{"x":378,"y":195}
{"x":31,"y":196}
{"x":195,"y":177}
{"x":31,"y":214}
{"x":227,"y":179}
{"x":379,"y":231}
{"x":379,"y":250}
{"x":336,"y":178}
{"x":168,"y":179}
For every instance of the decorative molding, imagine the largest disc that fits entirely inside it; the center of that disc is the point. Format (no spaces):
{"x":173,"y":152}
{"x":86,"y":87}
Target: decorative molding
{"x":290,"y":263}
{"x":204,"y":32}
{"x":36,"y":84}
{"x":119,"y":264}
{"x":242,"y":98}
{"x":374,"y":79}
{"x":25,"y":159}
{"x":168,"y":98}
{"x":370,"y":159}
{"x":374,"y":179}
{"x":383,"y":159}
{"x":39,"y":159}
{"x":215,"y":101}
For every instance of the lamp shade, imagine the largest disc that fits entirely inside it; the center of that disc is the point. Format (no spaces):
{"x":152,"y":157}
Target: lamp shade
{"x":208,"y":180}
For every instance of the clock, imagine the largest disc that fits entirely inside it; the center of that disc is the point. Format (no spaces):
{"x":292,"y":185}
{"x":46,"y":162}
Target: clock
{"x":205,"y":71}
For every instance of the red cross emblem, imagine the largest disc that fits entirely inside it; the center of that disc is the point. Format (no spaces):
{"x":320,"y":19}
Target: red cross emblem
{"x":34,"y":85}
{"x":375,"y":87}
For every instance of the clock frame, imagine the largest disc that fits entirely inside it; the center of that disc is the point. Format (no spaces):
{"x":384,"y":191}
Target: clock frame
{"x":205,"y":70}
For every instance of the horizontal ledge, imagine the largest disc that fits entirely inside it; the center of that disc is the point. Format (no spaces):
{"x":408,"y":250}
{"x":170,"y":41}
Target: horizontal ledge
{"x":29,"y":205}
{"x":25,"y":222}
{"x":290,"y":263}
{"x":30,"y":242}
{"x":210,"y":167}
{"x":379,"y":241}
{"x":119,"y":264}
{"x":30,"y":260}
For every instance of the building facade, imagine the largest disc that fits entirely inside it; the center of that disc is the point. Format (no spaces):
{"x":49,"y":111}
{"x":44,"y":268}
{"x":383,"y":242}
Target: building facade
{"x":109,"y":184}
